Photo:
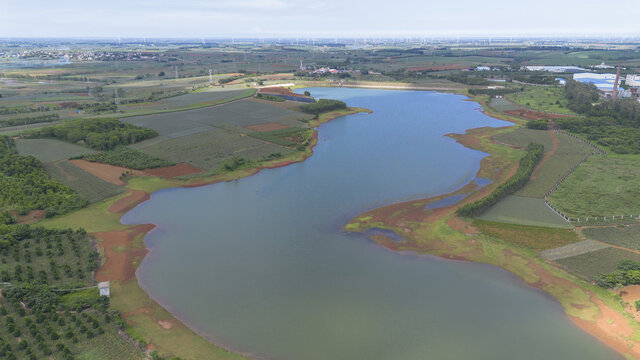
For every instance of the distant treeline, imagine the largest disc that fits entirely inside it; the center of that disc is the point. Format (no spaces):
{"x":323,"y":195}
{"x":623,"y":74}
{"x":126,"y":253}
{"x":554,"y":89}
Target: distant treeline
{"x":514,"y":183}
{"x":614,"y":123}
{"x":469,"y":80}
{"x":25,"y":186}
{"x":323,"y":105}
{"x":99,"y":134}
{"x":29,"y":120}
{"x":536,"y":79}
{"x":495,"y":92}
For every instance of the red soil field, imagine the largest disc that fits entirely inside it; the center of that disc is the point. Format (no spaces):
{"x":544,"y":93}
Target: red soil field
{"x":173,"y":171}
{"x":106,"y":172}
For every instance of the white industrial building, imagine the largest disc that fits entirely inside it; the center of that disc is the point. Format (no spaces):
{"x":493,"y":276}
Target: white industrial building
{"x":632,"y":80}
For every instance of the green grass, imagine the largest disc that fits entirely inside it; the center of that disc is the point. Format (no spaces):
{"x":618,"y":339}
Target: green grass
{"x":89,"y":186}
{"x":542,"y":98}
{"x":47,"y":150}
{"x":522,"y":137}
{"x":569,"y":153}
{"x":503,"y":105}
{"x":597,"y":262}
{"x":601,"y":186}
{"x":624,"y":236}
{"x":524,"y":211}
{"x":533,"y":237}
{"x":129,"y":158}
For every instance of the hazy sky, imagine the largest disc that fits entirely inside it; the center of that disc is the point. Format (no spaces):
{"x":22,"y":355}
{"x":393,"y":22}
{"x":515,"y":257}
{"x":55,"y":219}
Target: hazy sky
{"x":330,"y":18}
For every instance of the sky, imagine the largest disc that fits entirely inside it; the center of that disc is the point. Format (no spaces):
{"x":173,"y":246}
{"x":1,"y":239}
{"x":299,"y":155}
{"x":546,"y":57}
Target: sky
{"x":316,"y":18}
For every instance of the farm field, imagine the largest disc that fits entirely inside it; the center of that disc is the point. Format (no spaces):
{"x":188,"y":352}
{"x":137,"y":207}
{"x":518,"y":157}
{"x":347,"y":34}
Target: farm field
{"x":522,"y":137}
{"x":597,"y":262}
{"x":542,"y":98}
{"x":624,"y":236}
{"x":524,"y":211}
{"x":533,"y":237}
{"x":602,"y":186}
{"x":47,"y":150}
{"x":207,"y":150}
{"x":239,"y":114}
{"x":502,"y":105}
{"x":90,"y":187}
{"x":195,"y":99}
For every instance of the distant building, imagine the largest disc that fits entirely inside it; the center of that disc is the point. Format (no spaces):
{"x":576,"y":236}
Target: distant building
{"x":603,"y":66}
{"x":633,"y":80}
{"x":604,"y":82}
{"x":483,"y":68}
{"x":104,"y":288}
{"x":554,"y":68}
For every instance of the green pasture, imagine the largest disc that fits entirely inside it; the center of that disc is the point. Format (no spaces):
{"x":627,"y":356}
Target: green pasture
{"x":542,"y":98}
{"x":47,"y":150}
{"x":524,"y":211}
{"x":89,"y":186}
{"x":604,"y":185}
{"x":533,"y":237}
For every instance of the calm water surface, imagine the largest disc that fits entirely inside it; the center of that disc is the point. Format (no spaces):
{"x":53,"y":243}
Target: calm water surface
{"x":261,"y":266}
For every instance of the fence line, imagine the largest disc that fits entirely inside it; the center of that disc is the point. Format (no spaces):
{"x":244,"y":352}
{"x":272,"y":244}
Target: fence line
{"x":599,"y":151}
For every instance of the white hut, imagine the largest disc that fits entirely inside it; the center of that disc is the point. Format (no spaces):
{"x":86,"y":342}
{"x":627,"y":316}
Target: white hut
{"x":104,"y":288}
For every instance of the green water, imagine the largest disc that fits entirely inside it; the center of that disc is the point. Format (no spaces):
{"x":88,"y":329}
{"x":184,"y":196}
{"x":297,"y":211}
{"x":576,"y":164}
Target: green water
{"x":261,"y":266}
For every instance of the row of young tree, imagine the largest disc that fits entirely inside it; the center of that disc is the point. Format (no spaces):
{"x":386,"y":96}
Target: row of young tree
{"x":29,"y":120}
{"x":99,"y":134}
{"x":323,"y":105}
{"x":613,"y":123}
{"x":25,"y":186}
{"x":527,"y":164}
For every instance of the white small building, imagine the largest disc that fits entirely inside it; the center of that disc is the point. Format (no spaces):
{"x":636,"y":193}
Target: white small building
{"x":603,"y":66}
{"x":483,"y":68}
{"x":104,"y":288}
{"x":632,"y":80}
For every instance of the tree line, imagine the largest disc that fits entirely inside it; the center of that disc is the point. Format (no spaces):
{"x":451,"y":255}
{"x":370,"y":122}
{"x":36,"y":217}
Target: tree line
{"x":525,"y":168}
{"x":25,"y":186}
{"x":323,"y":105}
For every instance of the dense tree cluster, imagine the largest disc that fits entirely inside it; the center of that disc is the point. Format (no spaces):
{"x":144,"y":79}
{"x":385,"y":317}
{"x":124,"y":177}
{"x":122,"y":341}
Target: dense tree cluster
{"x":468,"y":80}
{"x":626,"y":273}
{"x":323,"y":105}
{"x":129,"y":158}
{"x":25,"y":186}
{"x":614,"y":123}
{"x":100,"y":134}
{"x":29,"y":120}
{"x":538,"y":124}
{"x":536,"y":79}
{"x":514,"y":183}
{"x":495,"y":92}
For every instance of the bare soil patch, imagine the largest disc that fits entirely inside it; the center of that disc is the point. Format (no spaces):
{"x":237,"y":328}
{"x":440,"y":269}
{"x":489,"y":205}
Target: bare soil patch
{"x":106,"y":172}
{"x":267,"y":127}
{"x":32,"y":216}
{"x":181,"y":169}
{"x":127,"y":203}
{"x":120,"y":265}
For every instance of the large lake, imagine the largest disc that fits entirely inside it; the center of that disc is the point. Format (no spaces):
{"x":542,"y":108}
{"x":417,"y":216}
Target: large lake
{"x":260,"y":265}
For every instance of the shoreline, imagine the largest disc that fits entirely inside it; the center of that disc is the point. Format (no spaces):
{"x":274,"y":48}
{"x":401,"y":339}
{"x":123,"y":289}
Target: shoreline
{"x":475,"y":139}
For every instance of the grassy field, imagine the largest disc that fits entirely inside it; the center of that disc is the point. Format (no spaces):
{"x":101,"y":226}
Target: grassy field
{"x":533,"y":237}
{"x":522,"y":137}
{"x":624,"y":236}
{"x":597,"y":262}
{"x":542,"y":98}
{"x":601,"y":186}
{"x":191,"y":99}
{"x":503,"y":105}
{"x":569,"y":153}
{"x":47,"y":150}
{"x":90,"y":187}
{"x":524,"y":211}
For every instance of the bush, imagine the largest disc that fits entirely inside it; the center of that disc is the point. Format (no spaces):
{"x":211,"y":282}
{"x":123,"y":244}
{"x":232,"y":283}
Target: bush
{"x":538,"y":124}
{"x":129,"y":158}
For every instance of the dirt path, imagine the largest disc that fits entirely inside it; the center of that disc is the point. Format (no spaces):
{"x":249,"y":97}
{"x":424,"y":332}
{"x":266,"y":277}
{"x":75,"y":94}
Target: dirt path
{"x":547,"y":155}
